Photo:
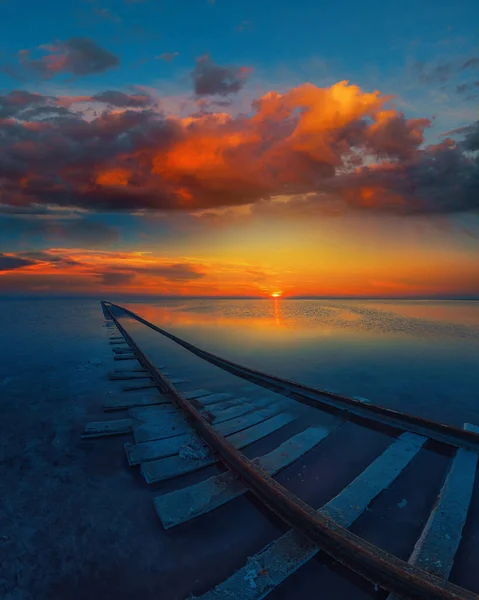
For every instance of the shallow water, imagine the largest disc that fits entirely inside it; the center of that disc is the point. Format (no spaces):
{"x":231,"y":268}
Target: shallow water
{"x":417,"y":356}
{"x":76,"y":522}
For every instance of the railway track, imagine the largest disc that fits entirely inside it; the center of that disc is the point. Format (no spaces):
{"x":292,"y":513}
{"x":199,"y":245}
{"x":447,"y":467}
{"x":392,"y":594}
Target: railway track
{"x":179,"y":432}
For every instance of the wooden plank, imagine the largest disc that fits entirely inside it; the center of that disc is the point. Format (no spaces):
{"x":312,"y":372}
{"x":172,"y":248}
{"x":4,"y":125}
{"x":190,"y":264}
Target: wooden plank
{"x":166,"y":427}
{"x":187,"y":503}
{"x":436,"y":548}
{"x":174,"y":427}
{"x":174,"y":466}
{"x":192,"y":394}
{"x":156,"y":449}
{"x":103,"y":428}
{"x":355,"y":498}
{"x":267,"y":569}
{"x":147,"y":413}
{"x":128,"y":376}
{"x":253,"y":418}
{"x":242,"y":408}
{"x":136,"y":388}
{"x":223,"y":404}
{"x":131,"y":401}
{"x":215,"y":398}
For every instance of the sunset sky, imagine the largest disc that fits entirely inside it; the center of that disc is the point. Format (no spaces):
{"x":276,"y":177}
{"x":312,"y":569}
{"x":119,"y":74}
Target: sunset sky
{"x":239,"y":148}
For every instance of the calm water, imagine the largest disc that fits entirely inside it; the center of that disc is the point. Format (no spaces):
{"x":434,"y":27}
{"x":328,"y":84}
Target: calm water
{"x":419,"y":356}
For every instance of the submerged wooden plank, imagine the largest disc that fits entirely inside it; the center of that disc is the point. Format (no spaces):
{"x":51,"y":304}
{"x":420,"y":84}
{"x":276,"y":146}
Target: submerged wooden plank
{"x":136,"y":388}
{"x":102,"y":428}
{"x":174,"y":466}
{"x":145,"y":451}
{"x":437,"y":546}
{"x":173,"y":427}
{"x":230,"y":425}
{"x":355,"y":498}
{"x":130,"y":401}
{"x":191,"y":395}
{"x":242,"y":408}
{"x":190,"y":502}
{"x":273,"y":564}
{"x":161,"y":428}
{"x":127,"y":376}
{"x":146,"y":413}
{"x":179,"y":425}
{"x":215,"y":398}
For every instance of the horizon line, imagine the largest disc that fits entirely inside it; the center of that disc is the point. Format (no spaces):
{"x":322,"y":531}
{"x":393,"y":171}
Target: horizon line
{"x":14,"y":296}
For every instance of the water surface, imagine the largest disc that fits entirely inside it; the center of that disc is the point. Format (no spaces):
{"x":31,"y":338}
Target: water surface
{"x":417,"y":356}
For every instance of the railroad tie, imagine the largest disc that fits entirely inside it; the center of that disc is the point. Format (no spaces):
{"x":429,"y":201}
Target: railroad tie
{"x":436,"y":548}
{"x":174,"y":466}
{"x":106,"y":428}
{"x":133,"y":400}
{"x":273,"y":564}
{"x":188,"y":503}
{"x":157,"y":431}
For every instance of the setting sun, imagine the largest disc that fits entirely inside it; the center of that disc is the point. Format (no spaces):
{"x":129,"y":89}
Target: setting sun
{"x":276,"y":294}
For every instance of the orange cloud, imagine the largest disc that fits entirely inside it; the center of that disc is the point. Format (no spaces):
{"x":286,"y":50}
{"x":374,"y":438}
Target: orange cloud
{"x":306,"y":140}
{"x":113,"y":177}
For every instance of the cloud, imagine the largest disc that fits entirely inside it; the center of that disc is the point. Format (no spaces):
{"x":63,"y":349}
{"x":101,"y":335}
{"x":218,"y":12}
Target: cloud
{"x":9,"y":263}
{"x":176,"y":272}
{"x":441,"y":179}
{"x":76,"y":57}
{"x":210,"y":79}
{"x":42,"y":256}
{"x":471,"y":141}
{"x":471,"y":63}
{"x":436,"y":74}
{"x":115,"y":278}
{"x":25,"y":228}
{"x":115,"y":98}
{"x":468,"y":88}
{"x":173,"y":272}
{"x":443,"y":72}
{"x":168,"y":56}
{"x":339,"y":141}
{"x":26,"y":106}
{"x":91,"y":271}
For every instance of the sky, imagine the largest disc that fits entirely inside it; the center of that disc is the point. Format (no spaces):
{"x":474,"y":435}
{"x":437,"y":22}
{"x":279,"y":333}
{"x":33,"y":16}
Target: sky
{"x":239,"y":148}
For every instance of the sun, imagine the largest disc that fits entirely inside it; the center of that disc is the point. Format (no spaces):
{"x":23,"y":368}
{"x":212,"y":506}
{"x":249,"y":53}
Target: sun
{"x":276,"y":294}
